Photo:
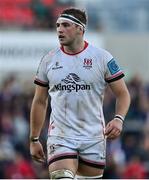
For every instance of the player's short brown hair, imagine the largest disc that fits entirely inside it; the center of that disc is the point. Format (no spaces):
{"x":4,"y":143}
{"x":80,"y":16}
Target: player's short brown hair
{"x":77,"y":13}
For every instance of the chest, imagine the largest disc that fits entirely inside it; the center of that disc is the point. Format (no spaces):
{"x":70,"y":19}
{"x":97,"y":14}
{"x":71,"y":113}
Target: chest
{"x":74,"y":70}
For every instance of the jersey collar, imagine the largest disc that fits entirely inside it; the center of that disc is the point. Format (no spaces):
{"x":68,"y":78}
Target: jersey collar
{"x":85,"y":46}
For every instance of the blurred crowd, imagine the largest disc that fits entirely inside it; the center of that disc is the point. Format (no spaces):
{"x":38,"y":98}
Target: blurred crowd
{"x":127,"y":16}
{"x":31,"y":14}
{"x":127,"y":157}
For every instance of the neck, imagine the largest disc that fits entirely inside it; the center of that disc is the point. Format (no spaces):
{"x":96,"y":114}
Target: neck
{"x":75,"y":47}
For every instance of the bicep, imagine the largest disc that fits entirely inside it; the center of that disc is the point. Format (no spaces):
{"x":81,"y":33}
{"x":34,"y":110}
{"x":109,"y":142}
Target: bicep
{"x":118,"y":87}
{"x":41,"y":94}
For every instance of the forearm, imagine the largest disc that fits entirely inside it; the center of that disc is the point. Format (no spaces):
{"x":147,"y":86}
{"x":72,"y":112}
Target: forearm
{"x":122,"y":103}
{"x":114,"y":127}
{"x":37,"y":117}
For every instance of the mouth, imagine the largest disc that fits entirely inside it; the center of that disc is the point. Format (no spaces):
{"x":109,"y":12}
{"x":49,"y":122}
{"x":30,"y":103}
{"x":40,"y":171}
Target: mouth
{"x":61,"y":37}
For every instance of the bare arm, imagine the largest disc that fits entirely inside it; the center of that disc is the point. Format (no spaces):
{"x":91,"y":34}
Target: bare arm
{"x":122,"y":97}
{"x":38,"y":111}
{"x":37,"y":118}
{"x":114,"y":127}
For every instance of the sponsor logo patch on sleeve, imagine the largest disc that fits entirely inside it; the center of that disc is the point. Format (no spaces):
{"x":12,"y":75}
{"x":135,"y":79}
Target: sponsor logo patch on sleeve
{"x":113,"y":67}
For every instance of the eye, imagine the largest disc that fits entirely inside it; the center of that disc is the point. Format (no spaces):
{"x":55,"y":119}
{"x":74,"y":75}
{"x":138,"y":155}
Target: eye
{"x":66,"y":25}
{"x":57,"y":25}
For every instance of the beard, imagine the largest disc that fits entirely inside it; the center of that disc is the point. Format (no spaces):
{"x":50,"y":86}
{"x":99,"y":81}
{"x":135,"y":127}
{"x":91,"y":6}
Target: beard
{"x":64,"y":42}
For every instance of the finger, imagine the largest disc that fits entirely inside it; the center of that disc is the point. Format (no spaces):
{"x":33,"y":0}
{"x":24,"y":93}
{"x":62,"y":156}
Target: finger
{"x":38,"y":159}
{"x":111,"y":137}
{"x":118,"y":132}
{"x":42,"y":155}
{"x":113,"y":134}
{"x":108,"y":130}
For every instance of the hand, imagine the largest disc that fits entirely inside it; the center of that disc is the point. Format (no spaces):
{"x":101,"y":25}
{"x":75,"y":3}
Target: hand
{"x":113,"y":129}
{"x":36,"y":151}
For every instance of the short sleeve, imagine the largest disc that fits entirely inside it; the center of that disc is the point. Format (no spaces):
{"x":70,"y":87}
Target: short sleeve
{"x":41,"y":76}
{"x":113,"y":71}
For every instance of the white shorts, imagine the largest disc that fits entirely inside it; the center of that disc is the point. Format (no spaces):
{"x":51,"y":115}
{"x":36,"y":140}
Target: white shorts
{"x":88,"y":152}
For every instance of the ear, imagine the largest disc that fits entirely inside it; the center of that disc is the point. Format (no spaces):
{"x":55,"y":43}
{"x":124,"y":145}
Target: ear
{"x":81,"y":29}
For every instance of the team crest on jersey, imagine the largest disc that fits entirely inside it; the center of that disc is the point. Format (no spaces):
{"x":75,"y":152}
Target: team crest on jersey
{"x":87,"y":63}
{"x":113,"y":67}
{"x":57,"y":66}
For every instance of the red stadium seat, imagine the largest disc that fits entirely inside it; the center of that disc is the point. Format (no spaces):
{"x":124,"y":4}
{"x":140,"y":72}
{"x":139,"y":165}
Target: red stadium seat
{"x":8,"y":14}
{"x":58,"y":10}
{"x":26,"y":16}
{"x":16,"y":16}
{"x":22,"y":1}
{"x":18,"y":12}
{"x":48,"y":2}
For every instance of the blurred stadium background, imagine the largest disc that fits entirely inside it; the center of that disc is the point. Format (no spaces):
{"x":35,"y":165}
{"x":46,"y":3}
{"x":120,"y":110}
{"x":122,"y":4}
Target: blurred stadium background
{"x":27,"y":32}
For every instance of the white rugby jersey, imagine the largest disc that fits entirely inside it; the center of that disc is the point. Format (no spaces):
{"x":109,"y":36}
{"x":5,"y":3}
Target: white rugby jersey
{"x":76,"y":86}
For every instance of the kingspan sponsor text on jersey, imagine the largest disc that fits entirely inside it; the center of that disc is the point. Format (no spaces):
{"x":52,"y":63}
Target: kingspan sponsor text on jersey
{"x":72,"y":87}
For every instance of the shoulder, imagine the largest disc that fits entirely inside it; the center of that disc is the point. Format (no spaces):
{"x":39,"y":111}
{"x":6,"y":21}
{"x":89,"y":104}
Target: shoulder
{"x":99,"y":50}
{"x":47,"y":58}
{"x":101,"y":53}
{"x":51,"y":54}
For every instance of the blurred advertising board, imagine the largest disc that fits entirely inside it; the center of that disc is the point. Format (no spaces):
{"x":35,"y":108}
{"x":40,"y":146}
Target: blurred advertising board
{"x":22,"y":51}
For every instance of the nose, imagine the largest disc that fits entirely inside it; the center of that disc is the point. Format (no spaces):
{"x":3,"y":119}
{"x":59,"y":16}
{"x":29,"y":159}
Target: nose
{"x":60,"y":29}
